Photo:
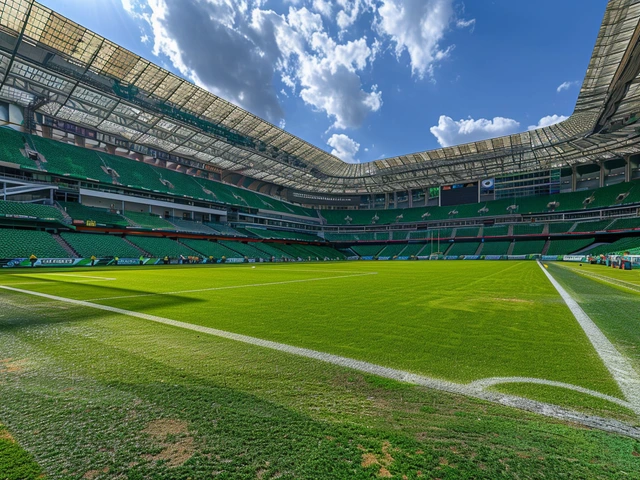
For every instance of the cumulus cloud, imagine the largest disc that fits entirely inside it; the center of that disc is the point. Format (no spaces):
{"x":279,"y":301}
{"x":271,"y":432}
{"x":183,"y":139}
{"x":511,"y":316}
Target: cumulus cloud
{"x":566,"y":86}
{"x":344,"y":147}
{"x":451,"y":132}
{"x":237,"y":49}
{"x":548,"y":120}
{"x":417,"y":27}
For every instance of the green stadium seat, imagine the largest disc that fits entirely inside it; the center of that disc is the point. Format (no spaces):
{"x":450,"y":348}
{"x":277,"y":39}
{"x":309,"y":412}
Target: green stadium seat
{"x":100,"y":245}
{"x":33,"y":210}
{"x":23,"y":243}
{"x":160,"y":247}
{"x":568,"y":246}
{"x":149,"y":221}
{"x":11,"y":144}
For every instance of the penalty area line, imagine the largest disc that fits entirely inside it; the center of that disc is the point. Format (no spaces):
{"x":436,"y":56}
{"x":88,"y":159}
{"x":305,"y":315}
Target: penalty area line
{"x":474,"y":391}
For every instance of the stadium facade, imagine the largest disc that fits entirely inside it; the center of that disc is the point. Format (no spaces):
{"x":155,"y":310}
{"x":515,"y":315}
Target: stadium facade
{"x":90,"y":125}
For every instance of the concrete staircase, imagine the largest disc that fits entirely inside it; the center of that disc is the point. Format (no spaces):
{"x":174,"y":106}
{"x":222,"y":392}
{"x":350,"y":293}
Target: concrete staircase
{"x":67,"y":248}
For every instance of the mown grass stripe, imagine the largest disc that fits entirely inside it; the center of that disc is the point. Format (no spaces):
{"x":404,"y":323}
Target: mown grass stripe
{"x":541,"y":408}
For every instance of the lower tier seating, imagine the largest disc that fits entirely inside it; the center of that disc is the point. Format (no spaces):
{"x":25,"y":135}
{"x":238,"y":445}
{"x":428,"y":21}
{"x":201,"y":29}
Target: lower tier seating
{"x":161,"y":247}
{"x":24,"y":243}
{"x":100,"y":245}
{"x":568,"y":246}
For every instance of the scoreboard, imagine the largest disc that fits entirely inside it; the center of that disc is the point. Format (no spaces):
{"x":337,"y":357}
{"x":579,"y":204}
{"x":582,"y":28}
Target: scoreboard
{"x":459,"y":194}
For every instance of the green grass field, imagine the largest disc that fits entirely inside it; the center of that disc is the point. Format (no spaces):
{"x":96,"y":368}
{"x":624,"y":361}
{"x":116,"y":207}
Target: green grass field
{"x":97,"y":394}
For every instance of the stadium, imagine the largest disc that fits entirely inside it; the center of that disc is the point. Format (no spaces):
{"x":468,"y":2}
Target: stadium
{"x":189,"y":291}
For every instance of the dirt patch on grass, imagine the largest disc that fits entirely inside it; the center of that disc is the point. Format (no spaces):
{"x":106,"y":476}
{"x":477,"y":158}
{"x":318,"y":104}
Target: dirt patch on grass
{"x":384,"y":461}
{"x":172,"y":435}
{"x":6,"y":436}
{"x":11,"y":365}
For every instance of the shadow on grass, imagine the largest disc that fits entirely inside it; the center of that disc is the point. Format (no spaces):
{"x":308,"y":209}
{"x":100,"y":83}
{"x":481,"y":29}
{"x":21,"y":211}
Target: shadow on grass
{"x":28,"y":310}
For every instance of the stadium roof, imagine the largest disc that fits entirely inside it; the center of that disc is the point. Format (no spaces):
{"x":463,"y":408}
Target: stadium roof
{"x":68,"y":72}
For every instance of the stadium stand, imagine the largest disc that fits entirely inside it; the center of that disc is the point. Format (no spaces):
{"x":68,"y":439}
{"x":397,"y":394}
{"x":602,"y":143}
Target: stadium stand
{"x":495,"y":248}
{"x":498,"y":231}
{"x":367,"y":250}
{"x":182,"y":225}
{"x":597,"y":226}
{"x":245,"y":250}
{"x":625,"y":224}
{"x":472,"y":232}
{"x":414,"y":249}
{"x":69,"y":160}
{"x":23,"y":243}
{"x":210,"y":249}
{"x":226,"y":230}
{"x":11,"y":144}
{"x":617,"y":247}
{"x":528,"y":229}
{"x":392,"y":250}
{"x":561,"y":227}
{"x":528,"y":247}
{"x":149,"y":221}
{"x":161,"y":247}
{"x":30,"y":210}
{"x":568,"y":246}
{"x":100,"y":245}
{"x":98,"y":215}
{"x":457,"y":249}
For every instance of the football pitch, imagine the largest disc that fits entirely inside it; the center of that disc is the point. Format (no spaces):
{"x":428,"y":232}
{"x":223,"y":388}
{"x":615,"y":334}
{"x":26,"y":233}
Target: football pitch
{"x":319,"y":340}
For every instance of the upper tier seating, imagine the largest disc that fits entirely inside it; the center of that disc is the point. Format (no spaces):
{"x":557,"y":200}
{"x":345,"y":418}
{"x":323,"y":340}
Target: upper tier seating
{"x":24,"y":243}
{"x":561,"y":227}
{"x":279,"y":234}
{"x":11,"y":142}
{"x":191,"y":226}
{"x":41,"y":212}
{"x":467,"y":232}
{"x":100,"y":245}
{"x":99,"y":215}
{"x":147,"y":220}
{"x":528,"y":229}
{"x":597,"y":226}
{"x":625,"y":224}
{"x":65,"y":159}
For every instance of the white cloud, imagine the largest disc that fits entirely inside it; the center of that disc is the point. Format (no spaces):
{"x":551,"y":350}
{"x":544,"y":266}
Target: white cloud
{"x":344,"y":147}
{"x":461,"y":23}
{"x":417,"y":27}
{"x":451,"y":132}
{"x":323,"y":7}
{"x":548,"y":120}
{"x":145,"y":38}
{"x":566,"y":86}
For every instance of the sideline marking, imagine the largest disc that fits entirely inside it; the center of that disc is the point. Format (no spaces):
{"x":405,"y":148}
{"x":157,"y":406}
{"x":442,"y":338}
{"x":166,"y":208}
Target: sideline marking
{"x":230,"y":287}
{"x":513,"y":401}
{"x":611,"y":281}
{"x":620,"y":368}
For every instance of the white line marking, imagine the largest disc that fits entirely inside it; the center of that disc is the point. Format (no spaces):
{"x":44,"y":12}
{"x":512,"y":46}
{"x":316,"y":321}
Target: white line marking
{"x":620,"y":368}
{"x":78,"y":276}
{"x":490,"y":382}
{"x":611,"y":281}
{"x":541,"y":408}
{"x":230,"y":287}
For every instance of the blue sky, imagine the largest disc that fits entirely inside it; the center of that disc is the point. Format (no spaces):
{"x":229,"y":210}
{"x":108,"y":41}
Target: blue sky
{"x":367,"y":79}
